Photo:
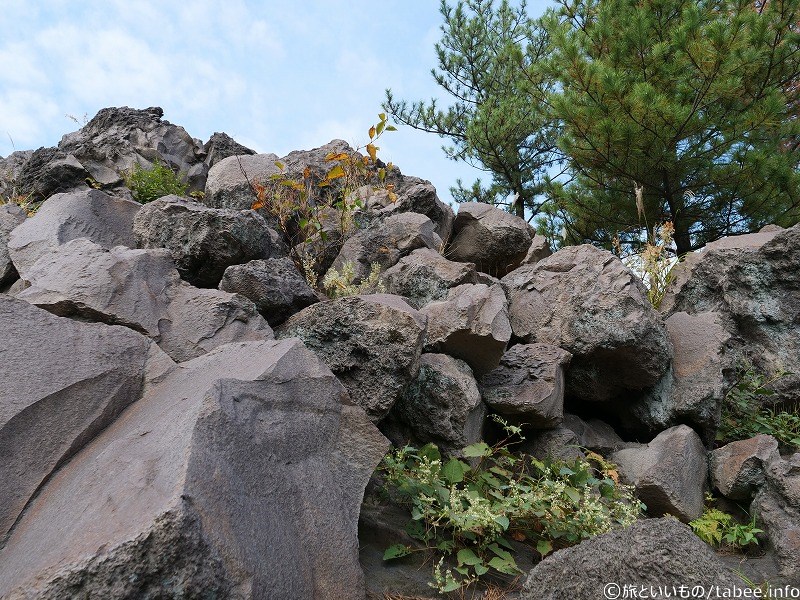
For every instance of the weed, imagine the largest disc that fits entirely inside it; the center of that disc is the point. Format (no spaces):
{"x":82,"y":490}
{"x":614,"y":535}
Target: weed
{"x":340,"y":285}
{"x":151,"y":184}
{"x":716,"y":528}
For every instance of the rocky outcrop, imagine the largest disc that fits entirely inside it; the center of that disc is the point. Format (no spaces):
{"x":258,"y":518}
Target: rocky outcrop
{"x":220,"y":146}
{"x":205,"y":241}
{"x":230,"y":181}
{"x":737,"y":469}
{"x":140,"y":289}
{"x":206,"y":486}
{"x":587,"y":302}
{"x":371,"y":343}
{"x":94,"y":215}
{"x":496,"y":241}
{"x":661,"y":553}
{"x":11,"y":216}
{"x":669,"y":473}
{"x":471,"y":324}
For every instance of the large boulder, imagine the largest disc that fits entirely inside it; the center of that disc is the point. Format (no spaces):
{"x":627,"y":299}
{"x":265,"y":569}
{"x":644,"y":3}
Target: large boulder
{"x":385,"y":242}
{"x":63,"y":382}
{"x":11,"y":216}
{"x":753,"y":282}
{"x":220,"y":146}
{"x":208,"y":487}
{"x":737,"y":469}
{"x":661,"y":554}
{"x":372,"y":344}
{"x":205,"y":241}
{"x":587,"y":302}
{"x":496,"y":241}
{"x":528,"y":384}
{"x":425,"y":276}
{"x":442,"y":404}
{"x":471,"y":324}
{"x":275,"y":286}
{"x":141,"y":289}
{"x":92,"y":214}
{"x":669,"y":473}
{"x":230,"y":181}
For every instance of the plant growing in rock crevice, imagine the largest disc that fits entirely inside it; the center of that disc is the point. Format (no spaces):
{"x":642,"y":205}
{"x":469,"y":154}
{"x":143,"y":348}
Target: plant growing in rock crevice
{"x":719,"y":528}
{"x":160,"y":180}
{"x":340,"y":285}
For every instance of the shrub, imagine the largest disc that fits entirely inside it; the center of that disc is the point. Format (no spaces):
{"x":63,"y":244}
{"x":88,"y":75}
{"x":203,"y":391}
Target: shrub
{"x":340,"y":285}
{"x":471,"y":512}
{"x":716,"y":528}
{"x":151,"y":184}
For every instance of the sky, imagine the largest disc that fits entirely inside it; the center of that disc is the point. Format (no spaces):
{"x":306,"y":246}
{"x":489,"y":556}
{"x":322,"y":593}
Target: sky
{"x":276,"y":76}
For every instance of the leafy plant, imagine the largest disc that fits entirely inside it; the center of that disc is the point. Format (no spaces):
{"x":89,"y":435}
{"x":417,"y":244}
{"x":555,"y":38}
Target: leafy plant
{"x":744,"y":414}
{"x":340,"y":285}
{"x":716,"y":527}
{"x":654,"y":262}
{"x":151,"y":184}
{"x":470,"y":511}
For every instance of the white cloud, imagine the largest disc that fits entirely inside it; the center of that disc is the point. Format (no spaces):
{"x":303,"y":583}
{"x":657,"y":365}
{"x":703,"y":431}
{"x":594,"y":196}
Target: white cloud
{"x":23,"y":114}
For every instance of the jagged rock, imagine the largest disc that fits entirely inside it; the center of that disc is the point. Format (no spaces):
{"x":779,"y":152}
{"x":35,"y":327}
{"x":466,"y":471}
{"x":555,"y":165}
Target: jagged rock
{"x":230,"y":181}
{"x":63,"y":382}
{"x":539,"y":250}
{"x":669,"y":473}
{"x":779,"y":517}
{"x":661,"y":553}
{"x":275,"y":286}
{"x":11,"y":216}
{"x":442,"y":404}
{"x":10,"y":168}
{"x":371,"y":343}
{"x":737,"y":469}
{"x":496,"y":241}
{"x":206,"y":487}
{"x":425,"y":276}
{"x":141,"y":289}
{"x":528,"y":384}
{"x":94,"y":215}
{"x":220,"y":146}
{"x":107,"y":148}
{"x":587,"y":302}
{"x":594,"y":434}
{"x":753,"y":282}
{"x":384,"y":243}
{"x":560,"y":443}
{"x":205,"y":241}
{"x":472,"y":324}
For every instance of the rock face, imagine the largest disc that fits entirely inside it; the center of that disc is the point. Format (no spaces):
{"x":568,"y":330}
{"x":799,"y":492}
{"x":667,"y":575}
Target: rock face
{"x":753,"y":282}
{"x":528,"y":385}
{"x":737,"y":469}
{"x":205,"y":487}
{"x":472,"y":324}
{"x":275,"y":286}
{"x":425,"y":276}
{"x":142,"y":290}
{"x":669,"y":473}
{"x":385,"y":242}
{"x":371,"y":343}
{"x":587,"y":302}
{"x":94,"y":215}
{"x":228,"y":186}
{"x":496,"y":241}
{"x":651,"y":552}
{"x":63,"y":382}
{"x":442,"y":404}
{"x":220,"y":146}
{"x":11,"y":216}
{"x":204,"y":241}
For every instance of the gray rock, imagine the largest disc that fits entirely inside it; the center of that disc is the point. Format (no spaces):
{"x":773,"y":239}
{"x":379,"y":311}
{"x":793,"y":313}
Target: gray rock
{"x":220,"y":146}
{"x":205,"y":241}
{"x":51,"y":171}
{"x":371,"y":343}
{"x":141,"y":289}
{"x":752,"y":281}
{"x":651,"y":552}
{"x":275,"y":286}
{"x":206,"y":487}
{"x":229,"y":183}
{"x":587,"y":302}
{"x":11,"y":216}
{"x":737,"y":469}
{"x":539,"y":250}
{"x":528,"y":384}
{"x":669,"y":473}
{"x":560,"y":443}
{"x":472,"y":324}
{"x":385,"y":242}
{"x":425,"y":276}
{"x":63,"y":382}
{"x":781,"y":523}
{"x":442,"y":404}
{"x":594,"y":434}
{"x":10,"y":168}
{"x":94,"y":215}
{"x":496,"y":241}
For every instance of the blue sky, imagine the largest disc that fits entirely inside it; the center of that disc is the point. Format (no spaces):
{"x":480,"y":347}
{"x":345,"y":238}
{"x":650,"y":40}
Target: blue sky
{"x":277,"y":76}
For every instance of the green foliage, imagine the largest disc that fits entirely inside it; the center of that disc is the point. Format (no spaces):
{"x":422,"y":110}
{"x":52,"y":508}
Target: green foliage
{"x":470,"y":511}
{"x":744,"y":414}
{"x":151,"y":184}
{"x":695,"y":103}
{"x":488,"y":63}
{"x":340,"y":285}
{"x":716,"y":527}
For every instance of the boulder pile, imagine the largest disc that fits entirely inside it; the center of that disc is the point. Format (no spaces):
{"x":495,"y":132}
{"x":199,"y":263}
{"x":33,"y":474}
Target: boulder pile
{"x":184,"y":415}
